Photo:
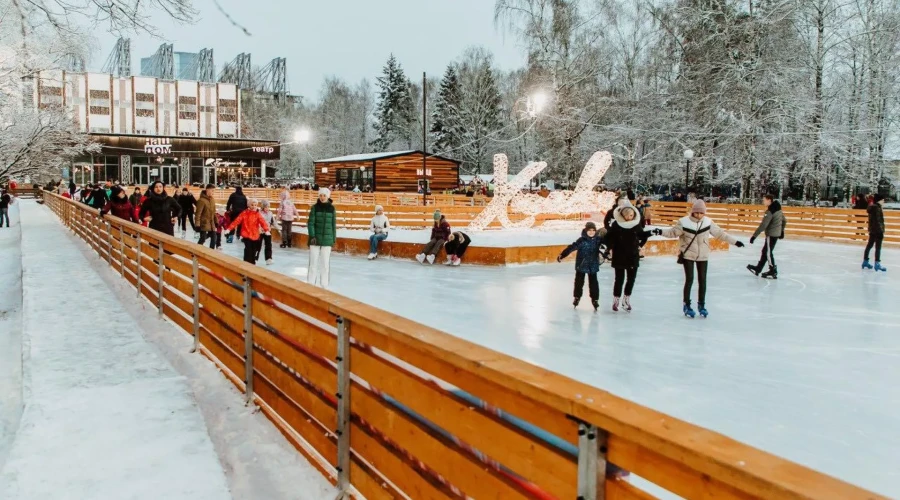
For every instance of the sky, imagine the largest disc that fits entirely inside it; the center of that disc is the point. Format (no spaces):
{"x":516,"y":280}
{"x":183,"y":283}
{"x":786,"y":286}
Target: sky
{"x":350,"y":39}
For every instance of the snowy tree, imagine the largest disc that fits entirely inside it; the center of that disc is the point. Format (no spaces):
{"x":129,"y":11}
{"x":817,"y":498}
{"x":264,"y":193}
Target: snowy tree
{"x":479,"y":115}
{"x":394,"y":113}
{"x":38,"y":145}
{"x":446,"y":130}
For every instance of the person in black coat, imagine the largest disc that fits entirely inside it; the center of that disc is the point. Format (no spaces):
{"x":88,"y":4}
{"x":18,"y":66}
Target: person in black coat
{"x":876,"y":233}
{"x":98,"y":198}
{"x":160,"y":210}
{"x":187,"y":202}
{"x":587,"y":262}
{"x":456,"y":247}
{"x":236,"y":204}
{"x":625,"y":238}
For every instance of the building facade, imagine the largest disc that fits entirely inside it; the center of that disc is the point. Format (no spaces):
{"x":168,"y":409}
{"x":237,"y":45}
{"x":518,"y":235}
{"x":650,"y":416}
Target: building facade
{"x":397,"y":171}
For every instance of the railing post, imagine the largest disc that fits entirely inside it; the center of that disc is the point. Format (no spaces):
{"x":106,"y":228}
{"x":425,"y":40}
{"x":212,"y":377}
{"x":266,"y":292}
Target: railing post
{"x":248,"y":340}
{"x":195,"y":294}
{"x":343,"y":409}
{"x":140,"y":251}
{"x":591,"y":462}
{"x":108,"y":243}
{"x":161,"y":276}
{"x":122,"y":249}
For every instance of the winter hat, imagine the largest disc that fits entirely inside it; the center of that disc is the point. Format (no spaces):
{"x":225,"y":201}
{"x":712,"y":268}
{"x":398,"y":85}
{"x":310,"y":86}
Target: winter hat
{"x":877,"y":198}
{"x":620,"y":218}
{"x":437,"y":215}
{"x":325,"y":191}
{"x":590,"y":225}
{"x":699,"y":207}
{"x":377,"y":208}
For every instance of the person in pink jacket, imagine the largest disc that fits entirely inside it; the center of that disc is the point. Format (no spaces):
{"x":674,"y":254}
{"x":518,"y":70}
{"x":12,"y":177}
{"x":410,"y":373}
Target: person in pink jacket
{"x":286,"y":213}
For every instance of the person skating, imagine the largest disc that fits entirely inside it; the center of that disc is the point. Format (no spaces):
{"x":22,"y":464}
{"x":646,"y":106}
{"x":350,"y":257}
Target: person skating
{"x":379,"y":227}
{"x":5,"y":201}
{"x":772,"y":227}
{"x":625,"y":239}
{"x":159,"y":210}
{"x":876,"y":233}
{"x":693,"y":232}
{"x":221,"y":222}
{"x":252,"y":225}
{"x":135,"y":198}
{"x":269,"y":217}
{"x":205,"y":216}
{"x":98,"y":198}
{"x":587,"y":262}
{"x":322,"y":228}
{"x":456,"y":247}
{"x":187,"y":202}
{"x":287,"y":212}
{"x":119,"y":206}
{"x":236,"y":204}
{"x":440,"y":233}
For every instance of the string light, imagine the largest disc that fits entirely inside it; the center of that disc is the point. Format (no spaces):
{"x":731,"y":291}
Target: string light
{"x":508,"y":194}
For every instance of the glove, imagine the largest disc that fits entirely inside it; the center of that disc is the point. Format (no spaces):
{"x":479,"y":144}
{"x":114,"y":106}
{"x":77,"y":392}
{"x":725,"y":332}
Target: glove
{"x":313,"y":242}
{"x":752,"y":239}
{"x":739,"y":244}
{"x":657,"y":232}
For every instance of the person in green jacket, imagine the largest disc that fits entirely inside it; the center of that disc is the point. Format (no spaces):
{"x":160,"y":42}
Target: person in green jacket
{"x":322,"y":231}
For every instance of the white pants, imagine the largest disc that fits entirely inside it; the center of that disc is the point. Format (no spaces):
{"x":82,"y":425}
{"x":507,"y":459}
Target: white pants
{"x":319,"y":266}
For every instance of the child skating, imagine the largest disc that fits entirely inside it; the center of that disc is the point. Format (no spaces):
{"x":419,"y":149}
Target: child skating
{"x":587,"y":262}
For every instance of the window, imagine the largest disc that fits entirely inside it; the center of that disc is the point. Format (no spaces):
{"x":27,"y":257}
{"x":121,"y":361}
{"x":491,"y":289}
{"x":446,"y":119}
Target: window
{"x":352,"y":177}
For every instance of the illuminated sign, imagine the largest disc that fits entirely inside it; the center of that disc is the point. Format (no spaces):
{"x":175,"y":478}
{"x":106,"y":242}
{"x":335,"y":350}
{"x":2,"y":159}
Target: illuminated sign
{"x":158,"y":146}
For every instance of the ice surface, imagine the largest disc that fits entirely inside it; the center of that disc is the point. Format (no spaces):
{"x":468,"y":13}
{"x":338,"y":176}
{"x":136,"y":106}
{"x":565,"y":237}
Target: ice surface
{"x":806,"y":367}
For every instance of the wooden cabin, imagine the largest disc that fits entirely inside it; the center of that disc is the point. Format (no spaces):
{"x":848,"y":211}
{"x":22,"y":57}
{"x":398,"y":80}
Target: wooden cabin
{"x":397,"y":171}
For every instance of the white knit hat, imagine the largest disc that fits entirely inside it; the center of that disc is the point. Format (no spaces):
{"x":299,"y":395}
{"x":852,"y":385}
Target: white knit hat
{"x":325,"y":191}
{"x":378,"y":207}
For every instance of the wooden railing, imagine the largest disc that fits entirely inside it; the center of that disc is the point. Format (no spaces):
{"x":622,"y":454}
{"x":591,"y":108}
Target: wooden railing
{"x":389,"y":408}
{"x":838,"y":224}
{"x":349,"y":197}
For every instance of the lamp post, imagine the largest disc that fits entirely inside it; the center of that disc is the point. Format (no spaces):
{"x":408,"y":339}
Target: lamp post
{"x":688,"y":154}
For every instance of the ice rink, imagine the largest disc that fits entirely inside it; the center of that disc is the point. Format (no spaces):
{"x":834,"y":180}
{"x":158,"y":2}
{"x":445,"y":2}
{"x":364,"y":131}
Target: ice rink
{"x":806,"y":367}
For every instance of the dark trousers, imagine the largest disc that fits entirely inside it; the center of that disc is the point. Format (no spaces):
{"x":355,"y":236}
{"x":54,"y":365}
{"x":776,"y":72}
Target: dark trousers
{"x":768,"y":253}
{"x":251,"y":250}
{"x":433,"y":247}
{"x":4,"y":214}
{"x":621,"y":273}
{"x":287,"y":228}
{"x":874,"y":240}
{"x":593,"y":285}
{"x":461,"y":249}
{"x":212,"y":238}
{"x":265,"y":242}
{"x":184,"y":218}
{"x":234,"y":216}
{"x":218,"y":239}
{"x":702,"y":267}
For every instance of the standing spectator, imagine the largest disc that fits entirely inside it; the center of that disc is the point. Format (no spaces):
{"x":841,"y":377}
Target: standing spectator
{"x":379,"y":227}
{"x":72,"y":188}
{"x":159,"y":210}
{"x":861,"y":202}
{"x":5,"y":202}
{"x":252,"y":226}
{"x":456,"y":247}
{"x":269,"y":217}
{"x":187,"y":202}
{"x":236,"y":204}
{"x":876,"y":233}
{"x":772,"y":227}
{"x":693,"y":232}
{"x":440,"y":233}
{"x":119,"y":206}
{"x":206,"y":216}
{"x":287,"y":212}
{"x":322,"y":228}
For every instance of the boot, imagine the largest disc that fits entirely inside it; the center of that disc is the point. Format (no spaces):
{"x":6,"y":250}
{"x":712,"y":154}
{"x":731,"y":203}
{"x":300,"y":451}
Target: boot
{"x":879,"y":267}
{"x":771,"y":274}
{"x":754,"y":269}
{"x":596,"y":304}
{"x":283,"y":245}
{"x":268,"y":262}
{"x":626,"y":303}
{"x":701,"y":308}
{"x":576,"y":301}
{"x":615,"y":306}
{"x":866,"y":264}
{"x":688,"y":311}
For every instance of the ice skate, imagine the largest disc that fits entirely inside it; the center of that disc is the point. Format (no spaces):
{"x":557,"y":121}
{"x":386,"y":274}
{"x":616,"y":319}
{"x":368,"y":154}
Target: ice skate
{"x":615,"y":306}
{"x":283,"y":245}
{"x":688,"y":311}
{"x":879,"y":267}
{"x":268,"y":262}
{"x":576,"y":301}
{"x":866,"y":264}
{"x":753,"y":269}
{"x":183,"y":233}
{"x":771,"y":274}
{"x":448,"y":262}
{"x":702,"y":310}
{"x":421,"y":258}
{"x":229,"y":239}
{"x":456,"y":261}
{"x":596,"y":304}
{"x":371,"y":256}
{"x":626,"y":303}
{"x":430,"y":259}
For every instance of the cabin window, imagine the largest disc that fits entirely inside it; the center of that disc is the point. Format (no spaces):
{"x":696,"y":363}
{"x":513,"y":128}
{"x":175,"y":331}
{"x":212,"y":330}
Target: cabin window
{"x":352,"y":177}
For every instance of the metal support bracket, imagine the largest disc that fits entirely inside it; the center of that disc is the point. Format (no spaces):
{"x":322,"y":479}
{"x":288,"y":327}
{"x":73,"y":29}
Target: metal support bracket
{"x":343,"y":409}
{"x":248,"y":340}
{"x":591,"y":462}
{"x":140,"y":251}
{"x":195,"y":294}
{"x":161,"y":276}
{"x":108,"y":243}
{"x":122,"y":249}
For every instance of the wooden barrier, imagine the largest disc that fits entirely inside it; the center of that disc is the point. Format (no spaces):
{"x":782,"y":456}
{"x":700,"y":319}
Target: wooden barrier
{"x":836,"y":224}
{"x":389,"y":408}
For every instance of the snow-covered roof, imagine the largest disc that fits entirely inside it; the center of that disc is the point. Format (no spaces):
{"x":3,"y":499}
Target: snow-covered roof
{"x":367,"y":156}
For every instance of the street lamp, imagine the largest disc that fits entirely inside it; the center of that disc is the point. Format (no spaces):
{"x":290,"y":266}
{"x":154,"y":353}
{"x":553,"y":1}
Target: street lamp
{"x":688,"y":154}
{"x":302,"y":136}
{"x":536,"y":103}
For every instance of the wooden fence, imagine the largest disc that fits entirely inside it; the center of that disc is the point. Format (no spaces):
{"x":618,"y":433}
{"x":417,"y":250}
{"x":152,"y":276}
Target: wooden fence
{"x":350,"y":198}
{"x":389,"y":408}
{"x":838,"y":224}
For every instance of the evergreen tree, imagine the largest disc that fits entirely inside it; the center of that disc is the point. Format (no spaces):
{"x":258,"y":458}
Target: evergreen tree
{"x":479,"y":116}
{"x":394,"y":110}
{"x":446,"y":130}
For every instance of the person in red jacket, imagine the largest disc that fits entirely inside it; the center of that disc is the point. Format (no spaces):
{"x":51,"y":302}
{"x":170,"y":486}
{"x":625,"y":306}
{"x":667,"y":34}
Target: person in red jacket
{"x":253,"y":225}
{"x":119,"y":205}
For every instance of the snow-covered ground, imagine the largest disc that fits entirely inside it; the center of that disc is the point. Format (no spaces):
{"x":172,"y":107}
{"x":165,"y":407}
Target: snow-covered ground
{"x":115,"y":406}
{"x":10,"y":333}
{"x":806,"y":367}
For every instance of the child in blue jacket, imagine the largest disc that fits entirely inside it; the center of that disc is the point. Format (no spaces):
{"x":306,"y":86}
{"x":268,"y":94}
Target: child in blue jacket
{"x":587,"y":262}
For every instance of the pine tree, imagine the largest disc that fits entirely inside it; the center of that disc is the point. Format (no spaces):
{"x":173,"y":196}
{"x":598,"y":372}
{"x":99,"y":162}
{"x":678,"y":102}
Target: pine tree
{"x":446,"y":131}
{"x":479,"y":116}
{"x":394,"y":110}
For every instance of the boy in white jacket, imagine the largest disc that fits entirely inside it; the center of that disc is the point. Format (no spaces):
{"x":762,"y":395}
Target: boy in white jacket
{"x":379,"y":227}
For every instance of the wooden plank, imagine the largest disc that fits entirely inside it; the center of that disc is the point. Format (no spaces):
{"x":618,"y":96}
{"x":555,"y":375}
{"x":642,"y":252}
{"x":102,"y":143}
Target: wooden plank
{"x":224,"y":291}
{"x":232,"y":368}
{"x":225,"y":313}
{"x":291,"y":295}
{"x":295,"y":330}
{"x":368,"y":483}
{"x":224,"y":344}
{"x":178,"y":265}
{"x":187,"y":325}
{"x":315,"y":401}
{"x":312,"y":367}
{"x":621,"y":489}
{"x":178,"y":282}
{"x":179,"y":302}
